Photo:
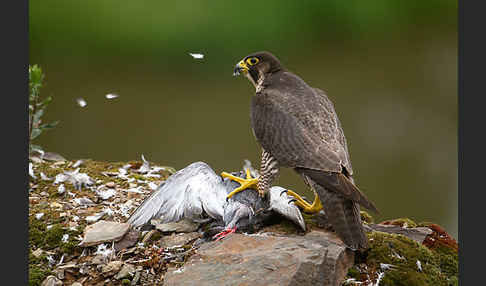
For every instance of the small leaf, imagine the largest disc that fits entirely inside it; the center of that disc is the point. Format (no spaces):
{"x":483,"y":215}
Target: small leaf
{"x":35,"y":133}
{"x":35,"y":75}
{"x":49,"y":125}
{"x":45,"y":101}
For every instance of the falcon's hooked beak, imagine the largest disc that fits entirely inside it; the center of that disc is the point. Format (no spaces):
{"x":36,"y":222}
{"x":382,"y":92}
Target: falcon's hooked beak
{"x":240,"y":67}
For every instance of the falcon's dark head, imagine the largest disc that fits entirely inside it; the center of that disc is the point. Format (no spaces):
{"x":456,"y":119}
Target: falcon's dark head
{"x":257,"y":66}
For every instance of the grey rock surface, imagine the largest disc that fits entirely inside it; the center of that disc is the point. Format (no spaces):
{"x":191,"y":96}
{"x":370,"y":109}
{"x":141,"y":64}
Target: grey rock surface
{"x":128,"y":240}
{"x":416,"y":233}
{"x":318,"y":258}
{"x":183,"y":225}
{"x":178,"y":239}
{"x":126,"y":271}
{"x":111,"y":268}
{"x":51,"y":281}
{"x":104,"y":231}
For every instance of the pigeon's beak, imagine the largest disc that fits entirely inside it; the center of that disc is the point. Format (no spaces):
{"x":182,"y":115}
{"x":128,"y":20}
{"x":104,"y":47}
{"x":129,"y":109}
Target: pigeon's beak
{"x":240,"y":67}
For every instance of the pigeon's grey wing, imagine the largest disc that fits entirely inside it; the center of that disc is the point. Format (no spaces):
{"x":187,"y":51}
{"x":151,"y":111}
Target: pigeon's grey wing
{"x":186,"y":194}
{"x":279,"y":202}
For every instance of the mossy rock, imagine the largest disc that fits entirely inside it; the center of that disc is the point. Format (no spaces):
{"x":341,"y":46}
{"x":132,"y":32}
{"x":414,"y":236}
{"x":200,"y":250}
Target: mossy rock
{"x":366,"y":217}
{"x":403,"y":222}
{"x":37,"y":274}
{"x":438,"y":267}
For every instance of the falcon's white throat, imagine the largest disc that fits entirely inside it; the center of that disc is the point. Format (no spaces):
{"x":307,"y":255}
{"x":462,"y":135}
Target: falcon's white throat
{"x":259,"y":83}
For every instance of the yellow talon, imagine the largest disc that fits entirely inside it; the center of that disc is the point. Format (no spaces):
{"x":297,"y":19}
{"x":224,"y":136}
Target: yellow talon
{"x":306,"y":207}
{"x":249,"y":182}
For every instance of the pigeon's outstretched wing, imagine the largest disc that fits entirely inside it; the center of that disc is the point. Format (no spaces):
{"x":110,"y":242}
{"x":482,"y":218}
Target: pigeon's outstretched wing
{"x":280,"y":203}
{"x":188,"y":193}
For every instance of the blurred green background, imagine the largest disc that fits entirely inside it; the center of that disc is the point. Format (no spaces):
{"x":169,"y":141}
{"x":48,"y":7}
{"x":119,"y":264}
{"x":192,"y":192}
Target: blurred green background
{"x":390,"y":68}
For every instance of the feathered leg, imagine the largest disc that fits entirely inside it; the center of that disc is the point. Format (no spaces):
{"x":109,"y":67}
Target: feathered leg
{"x":269,"y":170}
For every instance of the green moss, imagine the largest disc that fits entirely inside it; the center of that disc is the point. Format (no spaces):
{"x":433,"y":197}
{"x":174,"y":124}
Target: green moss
{"x":403,"y":222}
{"x":37,"y":274}
{"x":36,"y":260}
{"x":404,"y":253}
{"x":366,"y":217}
{"x":138,"y":177}
{"x":126,"y":282}
{"x":37,"y":230}
{"x":68,"y":247}
{"x":53,"y":236}
{"x":353,"y":273}
{"x":448,"y":261}
{"x":156,"y":236}
{"x":46,"y":239}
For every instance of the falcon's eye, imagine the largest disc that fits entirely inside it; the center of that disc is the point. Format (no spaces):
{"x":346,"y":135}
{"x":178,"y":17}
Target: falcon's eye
{"x":252,"y":61}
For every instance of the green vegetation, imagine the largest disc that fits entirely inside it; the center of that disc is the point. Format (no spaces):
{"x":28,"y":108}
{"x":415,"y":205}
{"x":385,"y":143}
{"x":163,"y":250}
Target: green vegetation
{"x":37,"y":274}
{"x":437,"y":266}
{"x":366,"y":217}
{"x":37,"y":107}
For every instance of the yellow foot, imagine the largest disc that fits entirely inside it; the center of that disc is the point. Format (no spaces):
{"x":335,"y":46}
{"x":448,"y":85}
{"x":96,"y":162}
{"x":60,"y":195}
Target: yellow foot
{"x":249,"y":182}
{"x":306,"y":207}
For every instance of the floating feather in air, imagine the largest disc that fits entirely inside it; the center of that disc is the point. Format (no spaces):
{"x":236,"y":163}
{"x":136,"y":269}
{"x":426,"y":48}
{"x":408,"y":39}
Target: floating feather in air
{"x":111,"y":95}
{"x":81,"y":102}
{"x":196,"y":56}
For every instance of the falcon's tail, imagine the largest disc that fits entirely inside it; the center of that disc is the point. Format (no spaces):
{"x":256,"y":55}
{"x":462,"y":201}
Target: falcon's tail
{"x":345,"y":218}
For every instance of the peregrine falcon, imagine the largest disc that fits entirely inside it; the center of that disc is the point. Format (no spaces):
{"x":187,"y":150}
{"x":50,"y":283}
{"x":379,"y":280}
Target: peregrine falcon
{"x":297,"y":127}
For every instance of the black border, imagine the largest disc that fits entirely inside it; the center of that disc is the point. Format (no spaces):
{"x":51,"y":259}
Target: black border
{"x":471,"y":142}
{"x":14,"y":134}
